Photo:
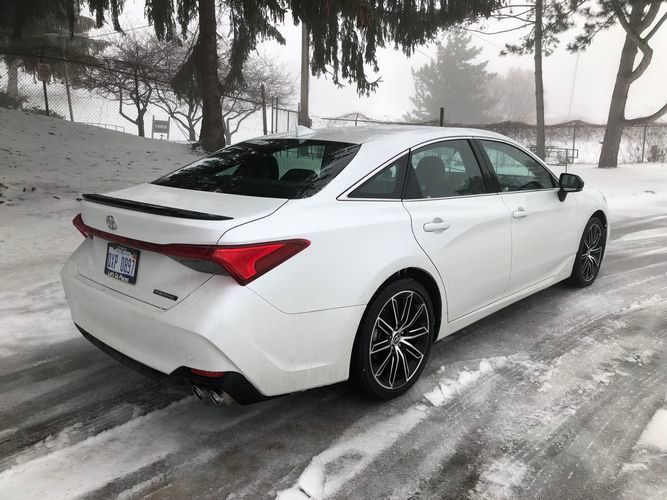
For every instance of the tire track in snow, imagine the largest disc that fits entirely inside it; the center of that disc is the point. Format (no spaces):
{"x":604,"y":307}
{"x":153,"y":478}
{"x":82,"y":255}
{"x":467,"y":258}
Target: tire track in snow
{"x":90,"y":464}
{"x":564,"y":342}
{"x":329,"y":471}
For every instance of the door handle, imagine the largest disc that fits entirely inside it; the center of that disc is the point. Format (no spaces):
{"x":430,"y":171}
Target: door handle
{"x":520,"y":213}
{"x":437,"y":225}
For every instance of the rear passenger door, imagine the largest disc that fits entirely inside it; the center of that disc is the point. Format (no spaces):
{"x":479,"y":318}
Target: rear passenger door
{"x":543,"y":241}
{"x":460,"y":222}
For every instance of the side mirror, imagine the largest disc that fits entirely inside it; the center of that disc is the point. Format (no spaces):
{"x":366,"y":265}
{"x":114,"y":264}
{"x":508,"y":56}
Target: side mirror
{"x":569,"y":183}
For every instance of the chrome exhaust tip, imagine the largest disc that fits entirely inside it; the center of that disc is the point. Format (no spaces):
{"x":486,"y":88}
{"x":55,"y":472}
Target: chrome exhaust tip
{"x":218,"y":398}
{"x":197,"y":392}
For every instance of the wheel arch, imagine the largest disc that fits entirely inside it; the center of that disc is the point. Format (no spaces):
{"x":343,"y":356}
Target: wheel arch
{"x":600,"y":215}
{"x":427,"y":281}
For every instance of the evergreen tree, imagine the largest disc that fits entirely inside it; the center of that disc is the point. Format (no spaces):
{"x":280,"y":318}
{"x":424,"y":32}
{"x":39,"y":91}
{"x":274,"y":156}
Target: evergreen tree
{"x":455,"y":81}
{"x":344,"y":34}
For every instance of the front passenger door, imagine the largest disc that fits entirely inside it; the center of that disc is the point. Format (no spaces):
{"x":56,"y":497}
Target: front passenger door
{"x":464,"y":229}
{"x":543,"y":240}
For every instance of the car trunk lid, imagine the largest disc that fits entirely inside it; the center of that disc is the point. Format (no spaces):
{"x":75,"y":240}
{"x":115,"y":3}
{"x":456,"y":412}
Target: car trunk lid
{"x":148,"y":216}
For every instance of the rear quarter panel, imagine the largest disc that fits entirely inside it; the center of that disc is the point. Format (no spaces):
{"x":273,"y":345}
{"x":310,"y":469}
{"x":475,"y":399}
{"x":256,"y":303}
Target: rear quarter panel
{"x":355,"y":246}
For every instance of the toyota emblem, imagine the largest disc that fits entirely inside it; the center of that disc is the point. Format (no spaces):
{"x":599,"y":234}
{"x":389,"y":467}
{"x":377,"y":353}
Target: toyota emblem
{"x":111,"y":222}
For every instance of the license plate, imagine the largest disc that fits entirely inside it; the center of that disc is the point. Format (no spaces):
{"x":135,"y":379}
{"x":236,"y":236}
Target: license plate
{"x":122,"y":263}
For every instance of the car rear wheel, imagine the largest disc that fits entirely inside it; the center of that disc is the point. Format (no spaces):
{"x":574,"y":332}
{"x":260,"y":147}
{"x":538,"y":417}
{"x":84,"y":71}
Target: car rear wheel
{"x":394,"y":340}
{"x":589,"y":257}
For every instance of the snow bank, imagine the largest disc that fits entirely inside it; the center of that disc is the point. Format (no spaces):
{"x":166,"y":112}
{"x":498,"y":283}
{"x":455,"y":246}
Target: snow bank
{"x":45,"y":166}
{"x":448,"y":388}
{"x":655,"y":433}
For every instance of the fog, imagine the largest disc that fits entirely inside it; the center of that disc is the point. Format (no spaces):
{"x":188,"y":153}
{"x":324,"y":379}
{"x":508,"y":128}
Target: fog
{"x":588,"y":82}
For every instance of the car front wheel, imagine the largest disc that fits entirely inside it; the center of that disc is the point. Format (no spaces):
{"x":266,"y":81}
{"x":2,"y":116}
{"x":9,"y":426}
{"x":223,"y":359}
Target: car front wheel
{"x":394,"y":340}
{"x":589,"y":256}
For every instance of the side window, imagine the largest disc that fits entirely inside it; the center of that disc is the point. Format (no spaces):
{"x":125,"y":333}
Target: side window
{"x":516,"y":170}
{"x":444,"y":169}
{"x":386,"y":184}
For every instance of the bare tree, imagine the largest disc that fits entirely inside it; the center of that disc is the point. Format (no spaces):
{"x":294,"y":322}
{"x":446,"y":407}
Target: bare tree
{"x":638,"y":19}
{"x":130,"y":75}
{"x":245,"y":100}
{"x":239,"y":101}
{"x":541,"y":21}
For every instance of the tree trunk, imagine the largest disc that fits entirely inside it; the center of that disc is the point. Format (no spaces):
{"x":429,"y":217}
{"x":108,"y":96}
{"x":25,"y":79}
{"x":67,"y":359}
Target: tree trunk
{"x":539,"y":84}
{"x":192,"y":133}
{"x":212,"y":135}
{"x":614,"y":129}
{"x":141,"y":130}
{"x":13,"y":78}
{"x":304,"y":119}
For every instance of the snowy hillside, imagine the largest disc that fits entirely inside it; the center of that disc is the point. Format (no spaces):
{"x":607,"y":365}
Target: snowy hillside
{"x":45,"y":166}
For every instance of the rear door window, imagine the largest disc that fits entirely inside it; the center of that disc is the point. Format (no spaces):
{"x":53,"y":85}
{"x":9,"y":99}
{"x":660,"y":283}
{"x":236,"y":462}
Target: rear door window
{"x":272,"y":168}
{"x":443,"y":170}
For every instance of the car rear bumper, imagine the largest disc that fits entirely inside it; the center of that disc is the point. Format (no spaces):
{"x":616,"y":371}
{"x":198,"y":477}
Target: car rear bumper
{"x":234,"y":384}
{"x":220,"y":327}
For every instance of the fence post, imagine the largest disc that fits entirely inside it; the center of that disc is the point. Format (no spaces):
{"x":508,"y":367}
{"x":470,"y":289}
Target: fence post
{"x":276,"y":113}
{"x":46,"y":96}
{"x":574,"y":145}
{"x":356,"y":117}
{"x":442,"y":116}
{"x":272,"y":115}
{"x":69,"y":96}
{"x":644,"y":143}
{"x":263,"y":110}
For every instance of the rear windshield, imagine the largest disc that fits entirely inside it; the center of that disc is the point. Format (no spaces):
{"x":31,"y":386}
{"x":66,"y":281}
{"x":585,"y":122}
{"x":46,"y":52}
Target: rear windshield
{"x":272,"y":168}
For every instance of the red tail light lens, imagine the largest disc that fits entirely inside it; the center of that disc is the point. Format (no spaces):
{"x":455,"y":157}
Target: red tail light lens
{"x":206,"y":373}
{"x":243,"y":262}
{"x":79,"y":224}
{"x":248,"y":262}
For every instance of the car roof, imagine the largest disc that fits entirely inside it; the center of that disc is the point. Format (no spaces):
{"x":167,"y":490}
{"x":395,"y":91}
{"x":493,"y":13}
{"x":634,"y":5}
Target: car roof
{"x":398,"y":135}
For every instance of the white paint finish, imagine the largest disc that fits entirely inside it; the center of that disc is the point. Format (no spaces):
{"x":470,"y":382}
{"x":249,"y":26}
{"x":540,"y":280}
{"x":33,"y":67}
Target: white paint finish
{"x":473,"y":255}
{"x":543,"y":238}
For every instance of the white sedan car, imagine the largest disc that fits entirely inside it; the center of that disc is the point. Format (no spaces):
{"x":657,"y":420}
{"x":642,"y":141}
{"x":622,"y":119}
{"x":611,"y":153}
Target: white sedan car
{"x":298,"y":260}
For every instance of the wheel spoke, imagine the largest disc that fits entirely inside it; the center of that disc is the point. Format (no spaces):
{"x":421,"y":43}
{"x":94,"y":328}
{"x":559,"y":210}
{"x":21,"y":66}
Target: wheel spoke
{"x":415,"y":317}
{"x":380,"y":346}
{"x":383,"y":365}
{"x":404,"y":362}
{"x":594,"y":260}
{"x":394,"y":307}
{"x":393,"y":370}
{"x":411,"y":349}
{"x":406,"y":310}
{"x":416,"y":333}
{"x":384,"y":326}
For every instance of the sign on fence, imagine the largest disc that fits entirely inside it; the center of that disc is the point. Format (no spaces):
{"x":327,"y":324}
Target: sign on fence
{"x":160,"y":127}
{"x":43,"y":72}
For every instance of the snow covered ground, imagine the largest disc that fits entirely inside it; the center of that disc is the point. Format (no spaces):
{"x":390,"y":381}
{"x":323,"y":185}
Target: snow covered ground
{"x":561,"y":395}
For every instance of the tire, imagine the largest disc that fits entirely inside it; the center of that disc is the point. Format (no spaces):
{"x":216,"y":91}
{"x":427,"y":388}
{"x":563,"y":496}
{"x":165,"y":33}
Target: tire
{"x":406,"y":337}
{"x":589,"y":255}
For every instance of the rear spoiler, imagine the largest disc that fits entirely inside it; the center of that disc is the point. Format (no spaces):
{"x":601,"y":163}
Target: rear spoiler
{"x":138,"y":206}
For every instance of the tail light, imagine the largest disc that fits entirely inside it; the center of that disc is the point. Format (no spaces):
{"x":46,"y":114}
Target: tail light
{"x":79,"y":224}
{"x":243,"y":262}
{"x":206,"y":373}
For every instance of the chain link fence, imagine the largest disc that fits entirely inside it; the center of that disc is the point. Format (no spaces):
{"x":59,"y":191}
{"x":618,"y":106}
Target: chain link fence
{"x":117,"y":95}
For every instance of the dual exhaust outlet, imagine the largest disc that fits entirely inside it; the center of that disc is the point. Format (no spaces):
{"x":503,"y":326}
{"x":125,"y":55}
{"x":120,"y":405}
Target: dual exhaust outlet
{"x":216,"y":396}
